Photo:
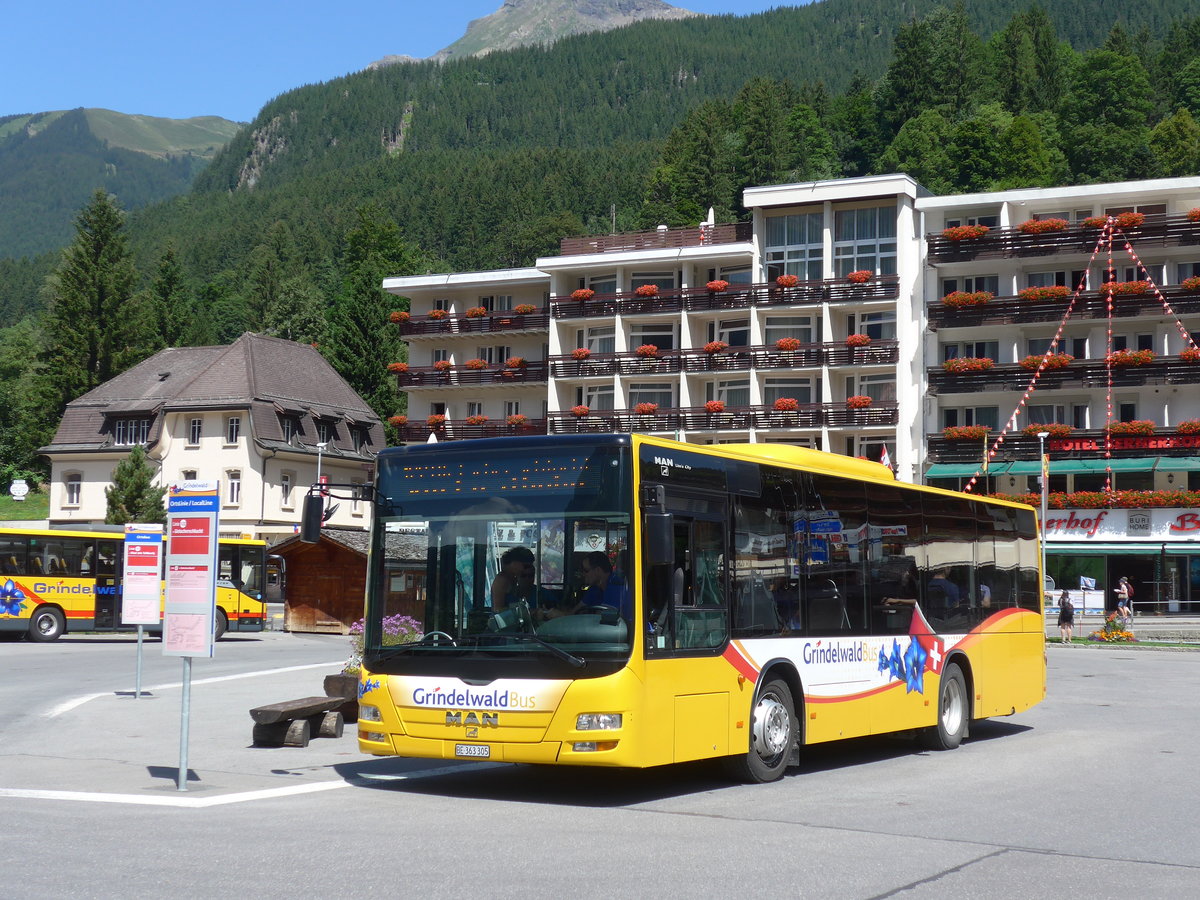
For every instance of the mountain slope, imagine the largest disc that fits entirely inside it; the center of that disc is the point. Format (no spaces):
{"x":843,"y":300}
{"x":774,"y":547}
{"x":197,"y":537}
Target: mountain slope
{"x":50,"y":163}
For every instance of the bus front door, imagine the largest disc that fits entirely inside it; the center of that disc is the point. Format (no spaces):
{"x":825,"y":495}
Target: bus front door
{"x":107,"y":591}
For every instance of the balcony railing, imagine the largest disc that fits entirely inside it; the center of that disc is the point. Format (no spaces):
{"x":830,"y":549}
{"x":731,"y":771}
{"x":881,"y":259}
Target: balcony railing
{"x":1079,"y":374}
{"x":1156,"y":230}
{"x":1090,"y":305}
{"x":428,"y":376}
{"x":1080,"y":444}
{"x":739,"y":418}
{"x":460,"y":430}
{"x":492,"y":323}
{"x":734,"y":359}
{"x":731,"y":233}
{"x":737,"y":296}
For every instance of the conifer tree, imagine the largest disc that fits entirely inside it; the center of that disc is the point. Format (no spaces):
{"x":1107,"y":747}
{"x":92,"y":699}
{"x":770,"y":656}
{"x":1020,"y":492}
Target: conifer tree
{"x":133,"y":496}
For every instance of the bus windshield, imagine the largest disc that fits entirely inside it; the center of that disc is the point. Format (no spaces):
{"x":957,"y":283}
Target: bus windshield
{"x":504,"y":561}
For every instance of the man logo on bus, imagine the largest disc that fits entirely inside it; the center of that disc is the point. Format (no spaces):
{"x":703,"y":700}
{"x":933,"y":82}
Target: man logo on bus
{"x":12,"y":599}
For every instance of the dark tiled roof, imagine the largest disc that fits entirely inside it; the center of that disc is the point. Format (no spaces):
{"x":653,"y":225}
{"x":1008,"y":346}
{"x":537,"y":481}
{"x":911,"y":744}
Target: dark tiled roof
{"x":260,"y":374}
{"x":411,"y":547}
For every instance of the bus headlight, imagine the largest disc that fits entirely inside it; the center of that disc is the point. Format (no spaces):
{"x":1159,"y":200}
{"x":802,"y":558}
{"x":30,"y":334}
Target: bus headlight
{"x":369,"y":714}
{"x":598,"y":721}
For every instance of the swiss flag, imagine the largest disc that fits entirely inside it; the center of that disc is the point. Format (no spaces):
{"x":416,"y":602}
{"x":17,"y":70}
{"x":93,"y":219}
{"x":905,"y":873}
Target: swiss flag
{"x":920,"y":632}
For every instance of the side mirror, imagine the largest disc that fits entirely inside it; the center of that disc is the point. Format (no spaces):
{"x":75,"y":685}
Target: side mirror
{"x":310,"y":522}
{"x":659,"y":537}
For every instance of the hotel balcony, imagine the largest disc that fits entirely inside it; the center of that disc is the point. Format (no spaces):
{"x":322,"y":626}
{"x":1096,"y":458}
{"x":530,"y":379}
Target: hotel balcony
{"x":459,"y":376}
{"x":736,"y":297}
{"x":703,"y":236}
{"x":461,"y":430}
{"x":1079,"y":374}
{"x":1005,"y":243}
{"x":1090,"y":305}
{"x":732,"y":360}
{"x":739,"y":418}
{"x":1081,"y":444}
{"x":492,"y":323}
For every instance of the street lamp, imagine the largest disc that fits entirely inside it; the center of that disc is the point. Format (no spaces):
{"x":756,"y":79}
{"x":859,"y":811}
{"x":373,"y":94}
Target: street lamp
{"x":1044,"y":468}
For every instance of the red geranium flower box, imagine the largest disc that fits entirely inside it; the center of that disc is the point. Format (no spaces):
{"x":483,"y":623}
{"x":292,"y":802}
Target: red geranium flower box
{"x":965,"y":432}
{"x":968,"y":364}
{"x":525,"y":309}
{"x":787,"y":281}
{"x":1130,"y":358}
{"x":1054,"y":429}
{"x":476,"y":364}
{"x":580,"y":353}
{"x":517,"y":419}
{"x":438,"y":314}
{"x":716,"y":347}
{"x":397,"y":368}
{"x":788,"y":344}
{"x":1137,"y":426}
{"x":786,"y":404}
{"x":960,"y":299}
{"x":965,"y":232}
{"x":1043,"y":226}
{"x":719,"y":286}
{"x":399,"y":315}
{"x":583,"y":294}
{"x":647,"y":351}
{"x":1051,"y":292}
{"x":714,"y":406}
{"x":646,"y":409}
{"x":860,"y":276}
{"x":476,"y":420}
{"x":397,"y":420}
{"x":646,"y":290}
{"x":1053,"y":361}
{"x":442,"y":365}
{"x":858,"y":340}
{"x":858,"y":401}
{"x":580,"y":411}
{"x":437,"y":420}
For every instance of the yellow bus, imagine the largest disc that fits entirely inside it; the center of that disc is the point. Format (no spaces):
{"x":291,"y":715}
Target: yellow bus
{"x":53,"y":581}
{"x":624,"y":600}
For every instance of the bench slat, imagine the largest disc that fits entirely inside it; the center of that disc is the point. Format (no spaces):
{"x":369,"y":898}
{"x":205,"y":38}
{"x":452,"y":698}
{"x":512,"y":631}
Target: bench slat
{"x":294,"y":709}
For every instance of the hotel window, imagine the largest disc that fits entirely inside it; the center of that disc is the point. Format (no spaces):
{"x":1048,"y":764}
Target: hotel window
{"x":601,"y":339}
{"x":664,"y":280}
{"x":991,"y":220}
{"x":971,"y":283}
{"x":1045,"y":414}
{"x":1187,"y":270}
{"x":504,"y":301}
{"x":442,"y":303}
{"x":1126,"y":412}
{"x":1057,"y":279}
{"x":286,"y":481}
{"x":1156,"y":273}
{"x":802,"y":390}
{"x":1146,"y":209}
{"x":972,"y":415}
{"x":661,"y":393}
{"x":734,"y":332}
{"x":233,"y":428}
{"x":488,"y":303}
{"x":879,"y":326}
{"x":195,"y":431}
{"x":733,"y":393}
{"x":441,"y":354}
{"x":803,"y":328}
{"x":978,"y":349}
{"x":597,"y":396}
{"x":74,"y":489}
{"x":130,"y":432}
{"x":865,"y":239}
{"x":603,"y":284}
{"x":880,"y":388}
{"x":233,"y":487}
{"x":741,"y":275}
{"x":795,"y":245}
{"x":661,"y":334}
{"x":474,"y":408}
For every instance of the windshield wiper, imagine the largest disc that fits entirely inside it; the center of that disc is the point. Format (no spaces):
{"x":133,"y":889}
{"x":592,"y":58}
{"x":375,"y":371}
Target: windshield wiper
{"x":526,"y":637}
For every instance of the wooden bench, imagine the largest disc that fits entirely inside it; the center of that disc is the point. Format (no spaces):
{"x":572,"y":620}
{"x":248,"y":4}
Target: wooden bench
{"x":293,"y":722}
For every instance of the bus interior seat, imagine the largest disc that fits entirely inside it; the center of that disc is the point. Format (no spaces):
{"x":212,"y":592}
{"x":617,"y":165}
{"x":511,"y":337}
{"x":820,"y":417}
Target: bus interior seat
{"x":11,"y":567}
{"x":826,"y":612}
{"x":756,"y":609}
{"x":38,"y":568}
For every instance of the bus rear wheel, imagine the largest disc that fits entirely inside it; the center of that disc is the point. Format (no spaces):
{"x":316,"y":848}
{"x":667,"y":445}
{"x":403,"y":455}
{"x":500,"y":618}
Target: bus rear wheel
{"x":46,"y":624}
{"x":220,"y":625}
{"x":951,"y":725}
{"x":773,"y":731}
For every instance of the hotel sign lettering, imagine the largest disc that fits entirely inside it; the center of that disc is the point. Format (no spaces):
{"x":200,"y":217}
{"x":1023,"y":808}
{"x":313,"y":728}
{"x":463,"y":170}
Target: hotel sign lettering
{"x":1129,"y":442}
{"x":1107,"y":524}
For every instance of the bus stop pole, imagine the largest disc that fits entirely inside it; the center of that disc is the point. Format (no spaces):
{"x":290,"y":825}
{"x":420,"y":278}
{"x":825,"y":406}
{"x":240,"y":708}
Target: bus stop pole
{"x":185,"y":711}
{"x":137,"y":681}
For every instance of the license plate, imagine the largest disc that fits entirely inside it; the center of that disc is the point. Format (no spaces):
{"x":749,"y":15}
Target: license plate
{"x":476,"y":751}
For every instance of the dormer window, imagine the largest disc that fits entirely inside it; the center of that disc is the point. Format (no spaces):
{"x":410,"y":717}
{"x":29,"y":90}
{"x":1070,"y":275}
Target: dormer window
{"x":326,"y":431}
{"x":130,"y":432}
{"x":291,"y":427}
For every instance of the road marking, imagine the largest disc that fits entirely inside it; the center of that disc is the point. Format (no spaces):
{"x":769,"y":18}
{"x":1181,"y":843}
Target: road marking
{"x":183,"y":801}
{"x":67,"y":705}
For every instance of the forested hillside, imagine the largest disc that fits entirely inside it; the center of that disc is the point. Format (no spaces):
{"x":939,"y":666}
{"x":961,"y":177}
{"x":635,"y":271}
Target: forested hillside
{"x":487,"y":162}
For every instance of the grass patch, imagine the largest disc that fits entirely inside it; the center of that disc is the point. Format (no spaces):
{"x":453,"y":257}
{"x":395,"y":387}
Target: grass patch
{"x":36,"y":505}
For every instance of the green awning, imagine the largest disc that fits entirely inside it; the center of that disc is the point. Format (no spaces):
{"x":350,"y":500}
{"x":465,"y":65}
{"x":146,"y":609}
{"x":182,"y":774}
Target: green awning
{"x":963,"y":470}
{"x":1178,"y":464}
{"x":1108,"y":548}
{"x":1084,"y":466}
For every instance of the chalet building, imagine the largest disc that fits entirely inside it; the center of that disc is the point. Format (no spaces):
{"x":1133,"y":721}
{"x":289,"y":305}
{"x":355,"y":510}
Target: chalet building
{"x":259,"y":416}
{"x":822,"y":323}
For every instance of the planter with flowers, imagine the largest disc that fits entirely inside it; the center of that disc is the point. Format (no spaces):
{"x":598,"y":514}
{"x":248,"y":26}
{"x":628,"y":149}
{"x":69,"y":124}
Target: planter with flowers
{"x":1050,"y":292}
{"x":1053,"y":361}
{"x":714,"y":347}
{"x":524,"y":309}
{"x":476,"y":420}
{"x":1094,"y":222}
{"x":647,"y":351}
{"x":858,"y":401}
{"x":1130,"y":219}
{"x":645,"y":409}
{"x":397,"y":368}
{"x":1190,"y":426}
{"x":397,"y":421}
{"x":476,"y":312}
{"x":516,"y":420}
{"x":786,"y":405}
{"x":516,"y":362}
{"x":1193,"y":215}
{"x":442,"y":366}
{"x":1191,"y":284}
{"x":476,"y":364}
{"x":960,"y":299}
{"x":579,"y":354}
{"x":438,"y":314}
{"x":1126,"y":288}
{"x":714,"y":406}
{"x":788,"y":344}
{"x":1043,"y":226}
{"x":858,"y":340}
{"x":1130,"y":358}
{"x":965,"y":432}
{"x":1140,"y":427}
{"x":787,"y":281}
{"x":860,"y":276}
{"x":436,"y":421}
{"x":1189,"y":354}
{"x":646,"y":291}
{"x":399,"y":317}
{"x":582,"y":295}
{"x":719,"y":286}
{"x":962,"y":364}
{"x":965,"y":232}
{"x":580,"y":411}
{"x":1053,"y":429}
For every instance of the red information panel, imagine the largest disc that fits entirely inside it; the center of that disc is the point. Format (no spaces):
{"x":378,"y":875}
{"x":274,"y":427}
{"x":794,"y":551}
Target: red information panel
{"x":190,"y":536}
{"x":142,"y":555}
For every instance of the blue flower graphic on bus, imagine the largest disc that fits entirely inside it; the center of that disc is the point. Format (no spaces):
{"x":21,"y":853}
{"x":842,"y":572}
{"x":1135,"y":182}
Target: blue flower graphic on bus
{"x":908,"y":667}
{"x":12,"y":599}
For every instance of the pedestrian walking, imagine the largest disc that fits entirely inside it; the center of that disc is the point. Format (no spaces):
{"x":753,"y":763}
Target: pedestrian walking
{"x":1066,"y":617}
{"x":1125,"y":602}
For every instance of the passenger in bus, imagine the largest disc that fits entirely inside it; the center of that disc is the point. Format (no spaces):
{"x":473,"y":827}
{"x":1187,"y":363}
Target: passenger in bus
{"x":787,"y":604}
{"x":943,"y":592}
{"x":604,"y":587}
{"x":505,"y":586}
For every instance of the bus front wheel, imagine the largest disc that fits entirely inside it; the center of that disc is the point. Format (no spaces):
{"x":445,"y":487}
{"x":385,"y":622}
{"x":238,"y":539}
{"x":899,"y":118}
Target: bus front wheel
{"x":773,"y":731}
{"x":220,"y":626}
{"x":951,"y":725}
{"x":46,"y":624}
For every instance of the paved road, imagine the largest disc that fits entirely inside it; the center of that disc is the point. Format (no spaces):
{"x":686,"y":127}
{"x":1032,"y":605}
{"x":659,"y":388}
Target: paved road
{"x":1087,"y":795}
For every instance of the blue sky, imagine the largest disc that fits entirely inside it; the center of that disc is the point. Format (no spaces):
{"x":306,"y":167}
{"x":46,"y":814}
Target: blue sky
{"x":224,"y":57}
